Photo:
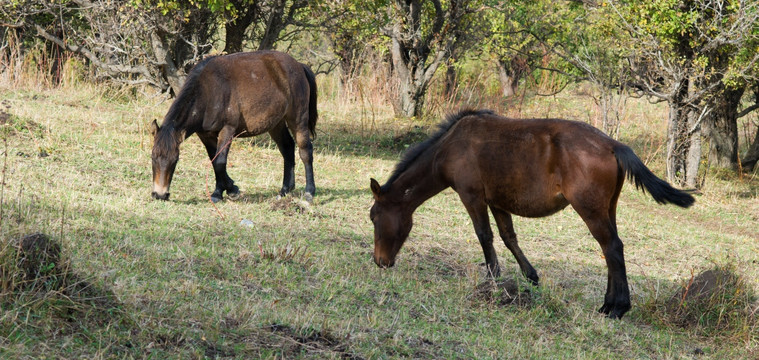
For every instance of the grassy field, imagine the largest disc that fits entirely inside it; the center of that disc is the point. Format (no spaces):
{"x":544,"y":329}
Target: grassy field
{"x":187,"y":279}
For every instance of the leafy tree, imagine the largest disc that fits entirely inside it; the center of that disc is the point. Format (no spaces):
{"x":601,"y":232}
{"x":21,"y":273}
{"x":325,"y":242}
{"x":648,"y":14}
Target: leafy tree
{"x":422,"y":35}
{"x":135,"y":41}
{"x":261,"y":22}
{"x":154,"y":41}
{"x":351,"y":26}
{"x":510,"y":40}
{"x":695,"y":55}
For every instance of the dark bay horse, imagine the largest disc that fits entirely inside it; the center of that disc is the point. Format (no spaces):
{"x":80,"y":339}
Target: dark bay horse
{"x":531,"y":168}
{"x":243,"y":94}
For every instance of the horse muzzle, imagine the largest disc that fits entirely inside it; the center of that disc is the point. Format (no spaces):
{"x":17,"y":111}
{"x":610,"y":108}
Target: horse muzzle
{"x":382,"y":262}
{"x":157,"y":196}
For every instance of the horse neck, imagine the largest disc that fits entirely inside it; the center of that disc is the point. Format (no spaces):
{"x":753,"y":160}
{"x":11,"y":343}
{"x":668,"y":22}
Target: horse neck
{"x":418,"y":183}
{"x":174,"y":132}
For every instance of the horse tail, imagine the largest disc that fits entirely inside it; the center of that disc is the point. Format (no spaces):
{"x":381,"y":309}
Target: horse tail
{"x":312,"y":113}
{"x":644,"y":179}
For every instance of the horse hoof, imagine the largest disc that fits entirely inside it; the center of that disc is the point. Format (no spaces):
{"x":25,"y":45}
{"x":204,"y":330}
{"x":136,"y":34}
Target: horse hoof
{"x":605,"y":309}
{"x":308,"y":198}
{"x":215,"y":199}
{"x":233,"y":195}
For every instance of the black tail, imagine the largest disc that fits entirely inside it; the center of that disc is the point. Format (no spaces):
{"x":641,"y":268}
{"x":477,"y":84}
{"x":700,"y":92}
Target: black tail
{"x":312,"y":113}
{"x":643,"y":178}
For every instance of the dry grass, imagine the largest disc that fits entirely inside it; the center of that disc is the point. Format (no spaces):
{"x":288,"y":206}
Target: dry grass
{"x":190,"y":280}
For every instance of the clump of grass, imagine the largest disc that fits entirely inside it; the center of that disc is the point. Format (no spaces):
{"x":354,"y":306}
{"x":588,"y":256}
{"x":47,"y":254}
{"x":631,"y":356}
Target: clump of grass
{"x":715,"y":302}
{"x":503,"y":291}
{"x":38,"y":285}
{"x":291,"y":205}
{"x":289,"y":253}
{"x":31,"y":263}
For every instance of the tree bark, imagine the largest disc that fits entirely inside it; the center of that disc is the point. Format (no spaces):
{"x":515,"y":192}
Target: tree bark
{"x":676,"y":137}
{"x":417,"y":51}
{"x":723,"y":130}
{"x":509,"y":75}
{"x":752,"y":155}
{"x":235,"y":29}
{"x":693,"y":155}
{"x":451,"y":78}
{"x":171,"y":72}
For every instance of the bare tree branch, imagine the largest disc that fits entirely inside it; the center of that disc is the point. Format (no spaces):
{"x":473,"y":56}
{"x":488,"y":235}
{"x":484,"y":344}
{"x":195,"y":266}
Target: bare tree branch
{"x":111,"y":69}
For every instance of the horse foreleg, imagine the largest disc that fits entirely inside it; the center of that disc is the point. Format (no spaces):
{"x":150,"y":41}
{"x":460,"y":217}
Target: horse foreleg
{"x":286,"y":146}
{"x":509,"y":237}
{"x":478,"y":212}
{"x":217,"y":147}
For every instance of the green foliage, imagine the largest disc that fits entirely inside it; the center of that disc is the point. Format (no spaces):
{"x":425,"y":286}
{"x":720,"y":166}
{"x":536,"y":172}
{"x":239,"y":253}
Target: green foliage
{"x":351,"y":24}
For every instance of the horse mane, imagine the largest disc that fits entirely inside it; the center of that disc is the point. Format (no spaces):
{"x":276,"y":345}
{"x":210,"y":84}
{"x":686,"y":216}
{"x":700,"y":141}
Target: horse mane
{"x":174,"y":123}
{"x":184,"y":102}
{"x":417,"y":150}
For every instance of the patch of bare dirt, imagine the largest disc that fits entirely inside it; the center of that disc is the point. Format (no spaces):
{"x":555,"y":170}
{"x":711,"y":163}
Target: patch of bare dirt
{"x":317,"y":344}
{"x":502,"y":292}
{"x":291,"y":205}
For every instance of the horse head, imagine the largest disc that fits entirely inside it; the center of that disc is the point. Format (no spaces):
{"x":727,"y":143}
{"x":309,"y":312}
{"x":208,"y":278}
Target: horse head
{"x":392,"y":224}
{"x":165,"y":156}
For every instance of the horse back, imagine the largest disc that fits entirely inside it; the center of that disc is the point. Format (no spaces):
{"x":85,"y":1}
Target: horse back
{"x":251,"y":92}
{"x":528,"y":167}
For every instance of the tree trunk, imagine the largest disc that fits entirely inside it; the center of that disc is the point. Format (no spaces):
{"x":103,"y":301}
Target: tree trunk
{"x":508,"y":77}
{"x":723,"y":130}
{"x":693,"y":156}
{"x":608,"y":125}
{"x":411,"y":90}
{"x":752,"y":155}
{"x":417,"y":51}
{"x":676,"y":137}
{"x":692,"y":140}
{"x":410,"y":99}
{"x":451,"y":78}
{"x":171,"y":72}
{"x":235,"y":29}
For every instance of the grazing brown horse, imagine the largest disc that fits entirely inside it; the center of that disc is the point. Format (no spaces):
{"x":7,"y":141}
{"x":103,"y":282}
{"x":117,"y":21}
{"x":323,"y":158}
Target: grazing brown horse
{"x":532,"y":168}
{"x":243,"y":94}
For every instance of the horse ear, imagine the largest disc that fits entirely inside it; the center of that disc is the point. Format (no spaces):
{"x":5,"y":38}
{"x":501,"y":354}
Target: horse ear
{"x":154,"y":127}
{"x":376,"y":188}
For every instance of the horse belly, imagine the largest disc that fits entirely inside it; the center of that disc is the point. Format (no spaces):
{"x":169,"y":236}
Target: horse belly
{"x":528,"y":199}
{"x":261,"y":116}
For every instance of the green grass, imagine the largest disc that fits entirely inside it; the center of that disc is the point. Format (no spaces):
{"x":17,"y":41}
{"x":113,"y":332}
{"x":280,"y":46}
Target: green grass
{"x":185,"y":279}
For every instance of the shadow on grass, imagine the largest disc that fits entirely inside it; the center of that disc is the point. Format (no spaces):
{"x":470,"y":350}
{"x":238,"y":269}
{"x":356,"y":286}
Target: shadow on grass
{"x":323,"y":196}
{"x":386,"y":145}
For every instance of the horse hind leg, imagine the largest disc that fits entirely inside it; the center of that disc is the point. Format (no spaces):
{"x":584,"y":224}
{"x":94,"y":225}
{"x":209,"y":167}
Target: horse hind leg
{"x":509,"y":237}
{"x":286,"y":146}
{"x":604,"y":230}
{"x":306,"y":152}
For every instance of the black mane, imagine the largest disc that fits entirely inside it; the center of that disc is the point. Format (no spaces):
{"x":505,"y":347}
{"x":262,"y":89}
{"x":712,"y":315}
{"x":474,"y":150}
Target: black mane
{"x":170,"y":133}
{"x":184,"y":102}
{"x":415,"y":151}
